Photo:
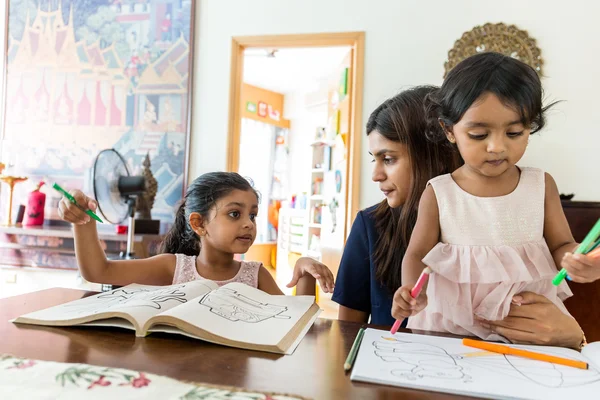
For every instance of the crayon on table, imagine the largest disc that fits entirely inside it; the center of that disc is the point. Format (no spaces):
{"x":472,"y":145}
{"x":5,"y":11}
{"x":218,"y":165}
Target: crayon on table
{"x":503,"y":349}
{"x":354,"y":350}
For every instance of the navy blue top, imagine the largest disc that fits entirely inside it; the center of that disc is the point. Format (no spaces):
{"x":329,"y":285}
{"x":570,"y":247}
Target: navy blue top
{"x":356,"y":286}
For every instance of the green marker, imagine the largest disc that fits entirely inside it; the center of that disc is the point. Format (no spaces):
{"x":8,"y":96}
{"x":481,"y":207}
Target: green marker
{"x":72,"y":200}
{"x":595,"y":246}
{"x":583,"y":248}
{"x":354,"y":350}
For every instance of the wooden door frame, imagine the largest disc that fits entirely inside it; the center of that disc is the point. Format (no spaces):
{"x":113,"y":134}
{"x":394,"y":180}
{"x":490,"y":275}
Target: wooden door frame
{"x":355,"y":40}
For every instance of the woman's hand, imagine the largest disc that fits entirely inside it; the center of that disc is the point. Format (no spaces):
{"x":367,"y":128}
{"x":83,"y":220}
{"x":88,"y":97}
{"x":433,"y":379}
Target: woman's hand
{"x":73,"y":214}
{"x":581,"y":268}
{"x":306,"y":266}
{"x":533,"y":319}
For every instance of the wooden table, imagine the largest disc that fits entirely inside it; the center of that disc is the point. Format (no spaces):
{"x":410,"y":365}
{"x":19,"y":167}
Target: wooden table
{"x":315,"y":370}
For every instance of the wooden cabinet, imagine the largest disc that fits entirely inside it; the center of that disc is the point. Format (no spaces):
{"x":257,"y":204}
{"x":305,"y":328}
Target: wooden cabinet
{"x":585,"y":303}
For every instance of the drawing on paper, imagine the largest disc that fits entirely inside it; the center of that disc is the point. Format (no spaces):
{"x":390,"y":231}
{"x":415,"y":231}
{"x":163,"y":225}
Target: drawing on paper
{"x":145,"y":297}
{"x":130,"y":297}
{"x":231,"y":305}
{"x":414,"y":361}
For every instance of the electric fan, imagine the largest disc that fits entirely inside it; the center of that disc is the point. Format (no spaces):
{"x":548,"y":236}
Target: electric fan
{"x":116,"y":192}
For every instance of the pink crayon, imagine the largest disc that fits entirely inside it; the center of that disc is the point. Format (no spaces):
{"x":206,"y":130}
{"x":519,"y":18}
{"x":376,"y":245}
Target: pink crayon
{"x":414,"y":293}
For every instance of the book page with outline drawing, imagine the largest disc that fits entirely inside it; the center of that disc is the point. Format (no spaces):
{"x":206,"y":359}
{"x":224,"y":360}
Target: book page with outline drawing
{"x":139,"y":301}
{"x":592,"y":353}
{"x":444,"y":365}
{"x":242,"y":313}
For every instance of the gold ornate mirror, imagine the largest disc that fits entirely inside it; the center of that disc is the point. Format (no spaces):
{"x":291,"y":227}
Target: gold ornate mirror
{"x":500,"y":38}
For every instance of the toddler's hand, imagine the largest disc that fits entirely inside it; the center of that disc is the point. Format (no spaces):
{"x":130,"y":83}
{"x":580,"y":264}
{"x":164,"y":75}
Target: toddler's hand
{"x":73,"y":214}
{"x":404,"y":305}
{"x":581,"y":268}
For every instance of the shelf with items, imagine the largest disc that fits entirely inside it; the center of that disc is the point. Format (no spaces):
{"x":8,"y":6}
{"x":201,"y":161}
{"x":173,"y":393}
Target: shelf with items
{"x":292,"y":242}
{"x":315,"y":216}
{"x":320,"y":165}
{"x":316,"y":187}
{"x":321,"y":157}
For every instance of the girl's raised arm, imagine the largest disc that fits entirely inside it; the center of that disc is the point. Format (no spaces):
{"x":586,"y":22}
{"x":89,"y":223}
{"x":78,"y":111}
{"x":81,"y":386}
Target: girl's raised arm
{"x":92,"y":261}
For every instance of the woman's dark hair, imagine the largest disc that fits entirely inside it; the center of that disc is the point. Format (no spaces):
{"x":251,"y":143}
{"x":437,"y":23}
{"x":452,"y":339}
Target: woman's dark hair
{"x":515,"y":83}
{"x":200,"y":197}
{"x":402,"y":119}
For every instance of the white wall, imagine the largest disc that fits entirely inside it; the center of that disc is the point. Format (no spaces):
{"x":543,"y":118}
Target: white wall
{"x":406,"y":44}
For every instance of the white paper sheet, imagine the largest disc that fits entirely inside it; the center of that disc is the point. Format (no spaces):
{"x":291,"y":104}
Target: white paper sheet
{"x":445,"y":365}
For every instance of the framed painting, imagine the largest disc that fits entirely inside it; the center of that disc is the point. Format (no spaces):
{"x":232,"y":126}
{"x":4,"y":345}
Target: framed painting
{"x":85,"y":75}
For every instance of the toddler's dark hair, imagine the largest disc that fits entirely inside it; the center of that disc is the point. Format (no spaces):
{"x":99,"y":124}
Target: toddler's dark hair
{"x":514,"y":82}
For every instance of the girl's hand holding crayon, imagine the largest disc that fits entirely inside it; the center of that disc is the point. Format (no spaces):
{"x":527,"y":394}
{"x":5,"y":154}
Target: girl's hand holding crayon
{"x":582,"y":268}
{"x":308,"y":266}
{"x":404,"y":305}
{"x":74,"y":214}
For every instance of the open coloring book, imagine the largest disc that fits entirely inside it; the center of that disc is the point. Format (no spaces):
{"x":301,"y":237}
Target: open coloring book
{"x":444,"y":365}
{"x":234,"y":315}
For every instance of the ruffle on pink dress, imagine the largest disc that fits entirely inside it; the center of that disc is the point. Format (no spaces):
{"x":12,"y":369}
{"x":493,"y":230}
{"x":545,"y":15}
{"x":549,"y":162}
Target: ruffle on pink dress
{"x":492,"y":248}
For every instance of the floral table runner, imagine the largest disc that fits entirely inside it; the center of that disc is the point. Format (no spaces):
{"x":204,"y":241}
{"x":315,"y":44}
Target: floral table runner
{"x":34,"y":379}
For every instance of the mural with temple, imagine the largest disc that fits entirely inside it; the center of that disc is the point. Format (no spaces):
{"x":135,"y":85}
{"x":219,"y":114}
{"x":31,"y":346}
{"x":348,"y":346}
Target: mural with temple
{"x":74,"y":90}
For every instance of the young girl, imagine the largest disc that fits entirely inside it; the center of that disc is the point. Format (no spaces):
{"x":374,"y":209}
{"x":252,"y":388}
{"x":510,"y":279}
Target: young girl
{"x":215,"y":221}
{"x":490,"y":229}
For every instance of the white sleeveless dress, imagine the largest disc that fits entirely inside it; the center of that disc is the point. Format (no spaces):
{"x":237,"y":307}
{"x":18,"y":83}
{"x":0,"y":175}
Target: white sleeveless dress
{"x":491,"y":249}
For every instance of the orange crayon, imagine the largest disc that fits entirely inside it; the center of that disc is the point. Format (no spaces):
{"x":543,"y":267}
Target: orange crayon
{"x":503,"y":349}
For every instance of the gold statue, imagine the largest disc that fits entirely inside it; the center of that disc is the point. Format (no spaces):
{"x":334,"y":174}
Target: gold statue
{"x":145,"y":202}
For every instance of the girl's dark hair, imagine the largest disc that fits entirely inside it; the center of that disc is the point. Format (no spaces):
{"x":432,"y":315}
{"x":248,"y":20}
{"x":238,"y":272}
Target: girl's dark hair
{"x":402,"y":119}
{"x":200,"y":197}
{"x":515,"y":83}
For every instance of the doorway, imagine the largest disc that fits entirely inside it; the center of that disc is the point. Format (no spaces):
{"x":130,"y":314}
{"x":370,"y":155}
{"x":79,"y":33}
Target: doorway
{"x":295,"y":126}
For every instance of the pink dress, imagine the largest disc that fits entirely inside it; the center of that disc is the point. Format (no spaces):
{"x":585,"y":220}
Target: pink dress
{"x":491,"y":249}
{"x":185,"y":271}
